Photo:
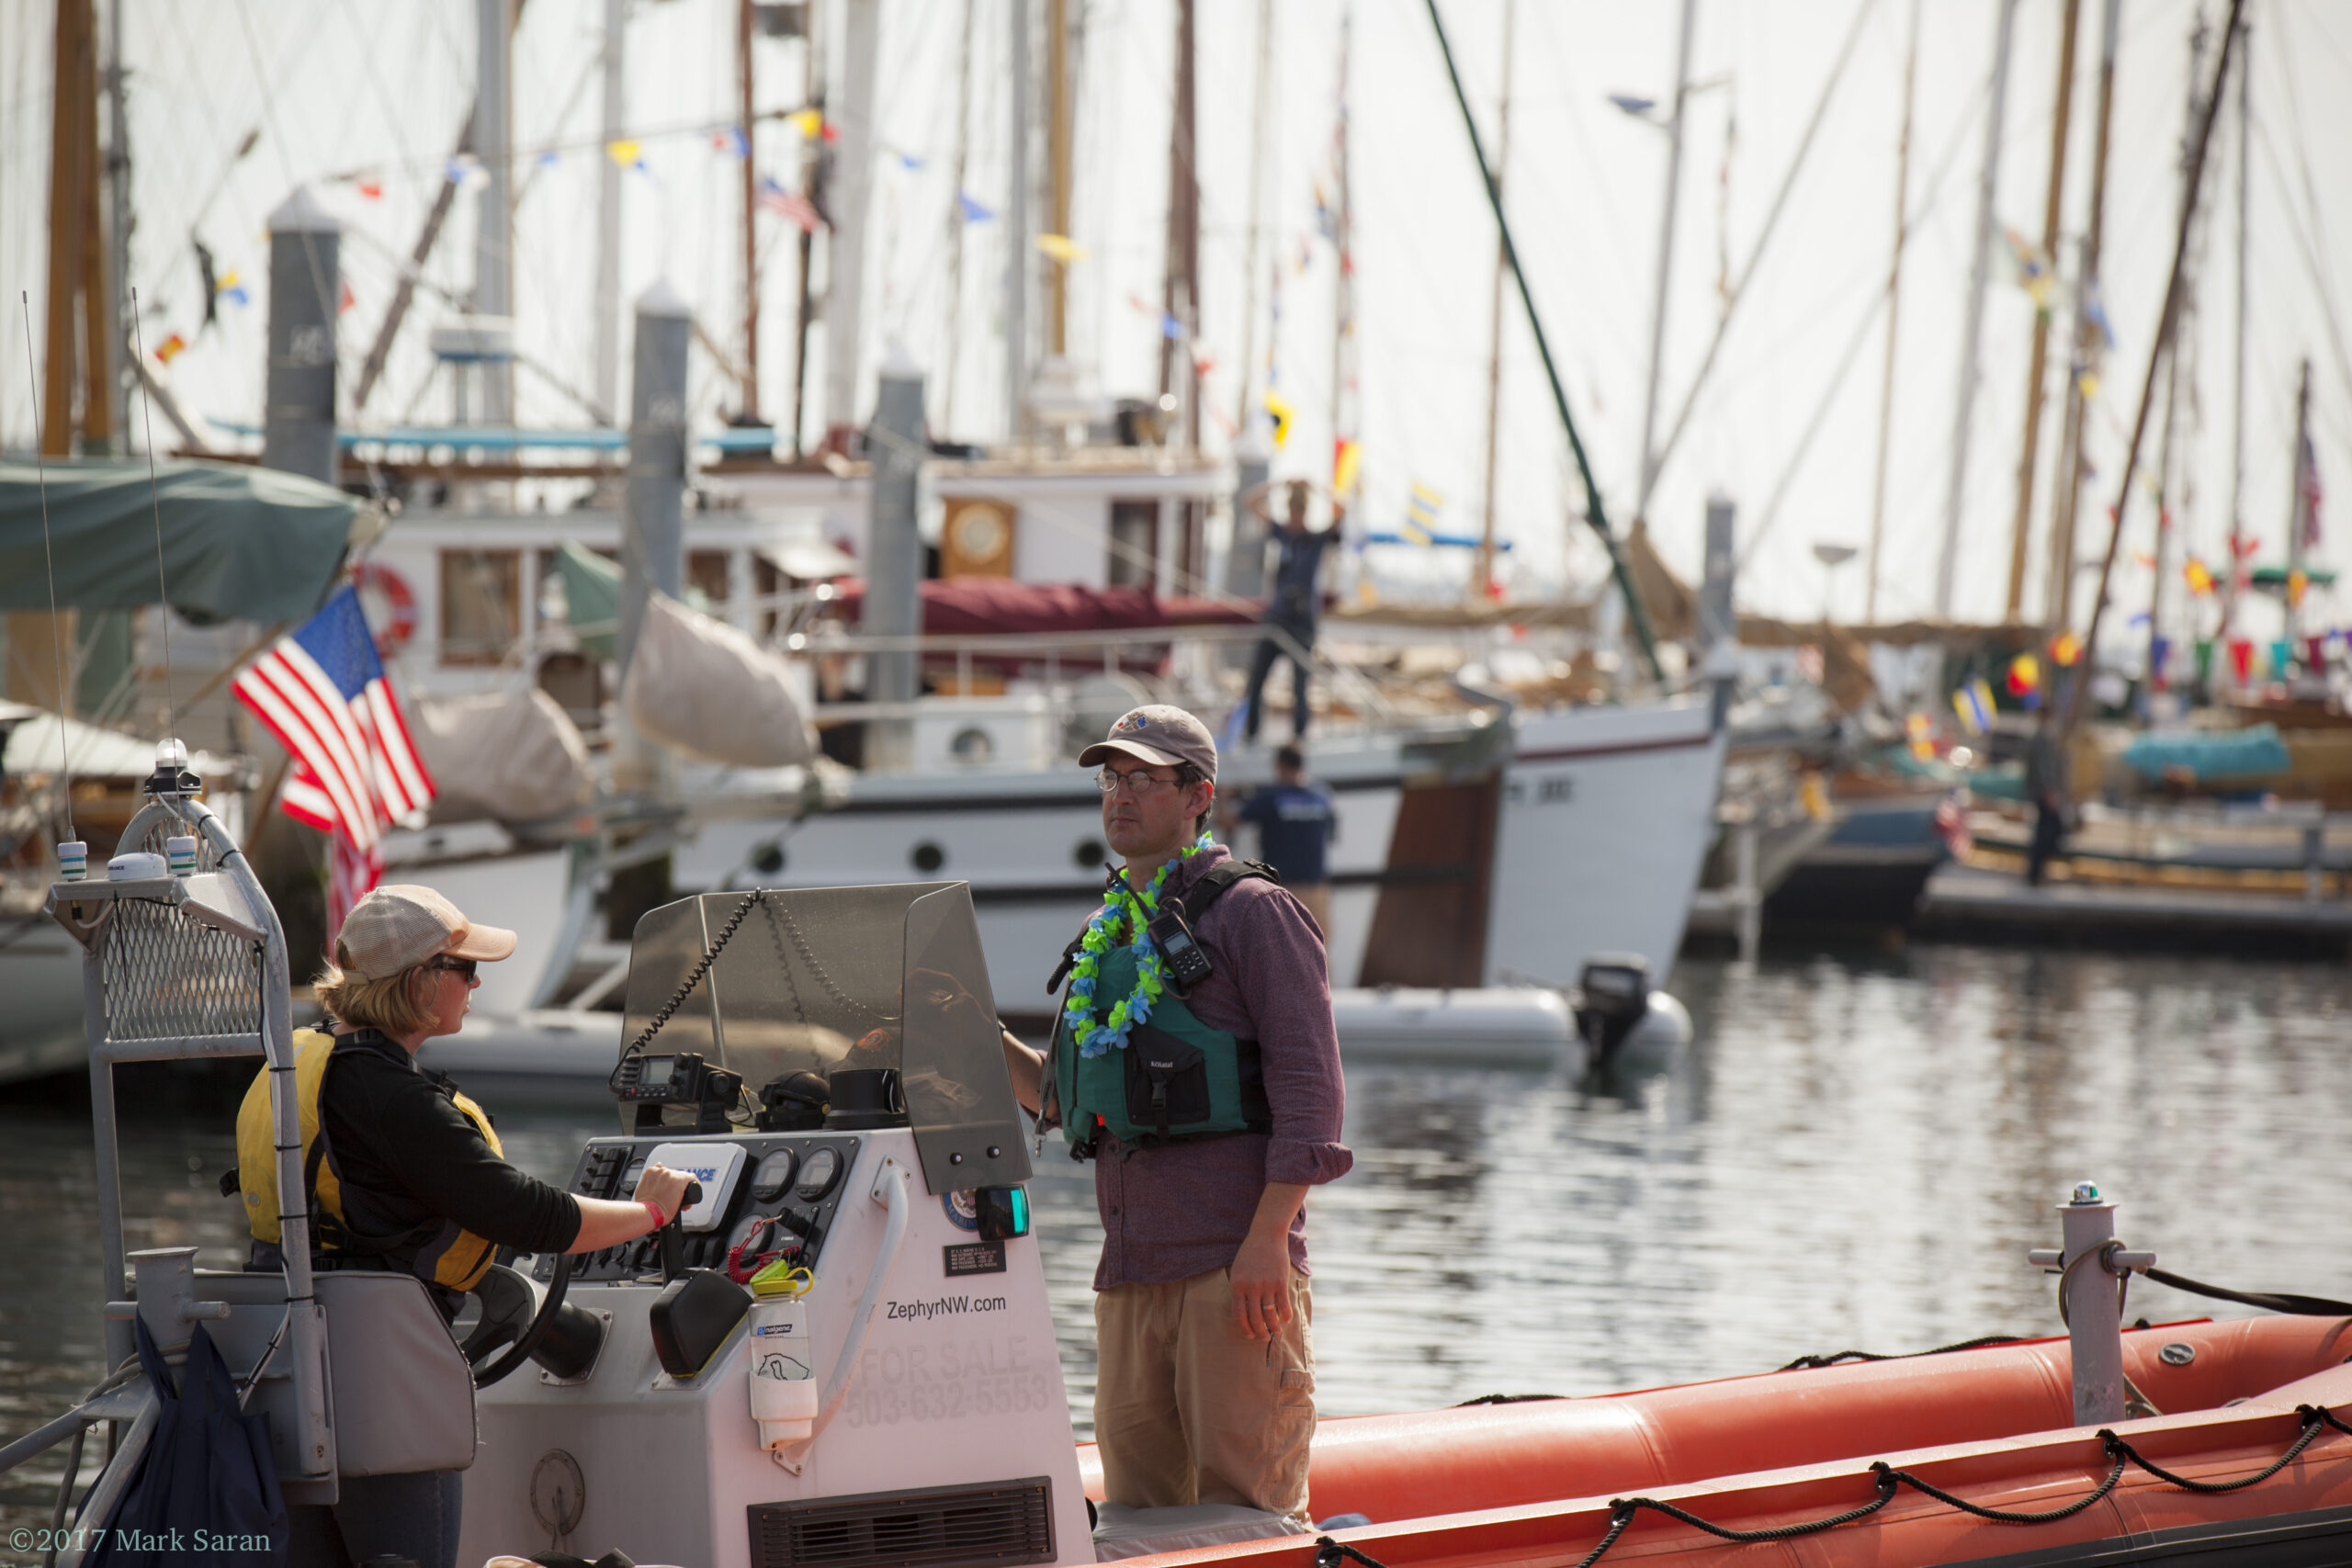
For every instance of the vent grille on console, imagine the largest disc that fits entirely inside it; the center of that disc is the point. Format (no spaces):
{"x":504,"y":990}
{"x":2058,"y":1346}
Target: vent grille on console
{"x":994,"y":1527}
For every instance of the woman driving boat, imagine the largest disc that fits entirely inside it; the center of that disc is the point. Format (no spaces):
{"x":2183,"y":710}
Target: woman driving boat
{"x":406,"y":1174}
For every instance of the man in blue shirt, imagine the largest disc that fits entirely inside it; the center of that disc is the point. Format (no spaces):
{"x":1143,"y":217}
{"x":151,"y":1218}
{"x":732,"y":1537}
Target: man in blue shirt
{"x":1295,"y":823}
{"x":1294,"y":604}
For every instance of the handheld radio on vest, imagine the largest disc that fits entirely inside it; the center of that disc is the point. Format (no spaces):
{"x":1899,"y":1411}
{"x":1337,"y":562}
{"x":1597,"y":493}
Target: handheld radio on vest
{"x":1186,"y":965}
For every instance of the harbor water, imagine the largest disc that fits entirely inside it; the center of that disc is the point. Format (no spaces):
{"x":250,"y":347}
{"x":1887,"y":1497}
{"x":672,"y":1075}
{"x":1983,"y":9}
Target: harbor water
{"x":1854,"y":1154}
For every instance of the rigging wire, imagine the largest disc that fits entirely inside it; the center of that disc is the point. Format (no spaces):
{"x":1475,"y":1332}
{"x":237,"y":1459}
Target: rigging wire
{"x":56,"y":633}
{"x":1912,"y":230}
{"x":155,"y":503}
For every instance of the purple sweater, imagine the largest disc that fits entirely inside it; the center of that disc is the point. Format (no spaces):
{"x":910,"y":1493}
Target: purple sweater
{"x":1174,"y":1212}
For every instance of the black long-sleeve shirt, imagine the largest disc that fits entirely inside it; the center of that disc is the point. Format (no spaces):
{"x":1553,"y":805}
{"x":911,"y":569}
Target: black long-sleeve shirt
{"x":405,"y":1156}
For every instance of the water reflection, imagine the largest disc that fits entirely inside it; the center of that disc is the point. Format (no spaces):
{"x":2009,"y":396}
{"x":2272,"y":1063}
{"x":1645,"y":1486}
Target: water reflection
{"x":1856,"y":1153}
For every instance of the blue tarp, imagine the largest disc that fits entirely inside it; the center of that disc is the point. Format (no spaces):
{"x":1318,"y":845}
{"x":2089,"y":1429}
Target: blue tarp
{"x":2206,"y":755}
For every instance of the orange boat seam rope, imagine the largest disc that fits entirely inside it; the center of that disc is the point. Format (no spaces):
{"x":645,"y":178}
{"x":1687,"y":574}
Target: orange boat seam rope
{"x":1330,"y":1553}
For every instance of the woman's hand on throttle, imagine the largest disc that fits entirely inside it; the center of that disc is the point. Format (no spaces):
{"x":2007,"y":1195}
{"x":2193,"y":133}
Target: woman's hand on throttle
{"x":665,"y":1187}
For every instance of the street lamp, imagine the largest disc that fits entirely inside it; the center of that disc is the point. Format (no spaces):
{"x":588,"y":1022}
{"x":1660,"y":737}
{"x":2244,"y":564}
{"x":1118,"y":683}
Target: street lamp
{"x":1831,"y":556}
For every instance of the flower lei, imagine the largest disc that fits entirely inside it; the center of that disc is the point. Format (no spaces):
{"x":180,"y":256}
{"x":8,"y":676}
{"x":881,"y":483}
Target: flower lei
{"x":1093,"y":1036}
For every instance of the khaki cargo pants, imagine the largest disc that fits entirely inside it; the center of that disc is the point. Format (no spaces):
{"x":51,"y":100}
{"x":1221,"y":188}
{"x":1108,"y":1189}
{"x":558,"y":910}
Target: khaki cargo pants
{"x":1187,"y":1411}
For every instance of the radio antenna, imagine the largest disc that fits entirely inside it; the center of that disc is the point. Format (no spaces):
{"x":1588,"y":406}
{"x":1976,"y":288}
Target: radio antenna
{"x":154,"y":502}
{"x":57,"y":636}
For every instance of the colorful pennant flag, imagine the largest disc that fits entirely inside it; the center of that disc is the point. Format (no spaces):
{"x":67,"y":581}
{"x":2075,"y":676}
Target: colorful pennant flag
{"x":165,"y":350}
{"x":1423,"y":505}
{"x":373,"y":189}
{"x":625,"y":154}
{"x":732,"y":141}
{"x":1278,"y":408}
{"x":1061,"y":248}
{"x":2024,"y":675}
{"x":1973,"y":704}
{"x":2065,"y":649}
{"x":2200,"y":576}
{"x":1920,"y":731}
{"x":972,"y":210}
{"x":1346,"y":456}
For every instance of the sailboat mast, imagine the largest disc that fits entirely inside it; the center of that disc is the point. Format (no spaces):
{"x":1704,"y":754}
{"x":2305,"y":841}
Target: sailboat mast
{"x":606,"y":334}
{"x":812,"y":163}
{"x":2298,"y":516}
{"x":1343,"y":279}
{"x":2037,"y":376}
{"x":1180,"y":294}
{"x":1647,"y":470}
{"x":1482,"y":580}
{"x":750,"y":412}
{"x":2236,"y":560}
{"x":2167,"y":321}
{"x":494,"y":227}
{"x":1972,"y":339}
{"x":2088,"y":341}
{"x":1894,"y":312}
{"x":118,"y":251}
{"x":2183,"y":349}
{"x":1016,"y":234}
{"x":956,"y":222}
{"x":1058,"y":168}
{"x":1255,"y":222}
{"x":37,"y":672}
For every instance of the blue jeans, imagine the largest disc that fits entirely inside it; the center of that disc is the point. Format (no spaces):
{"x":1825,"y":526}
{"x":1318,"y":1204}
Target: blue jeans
{"x":414,"y":1517}
{"x":1262,"y":664}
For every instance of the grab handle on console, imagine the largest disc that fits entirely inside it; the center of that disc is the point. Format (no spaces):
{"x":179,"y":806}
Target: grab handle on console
{"x":892,"y":1192}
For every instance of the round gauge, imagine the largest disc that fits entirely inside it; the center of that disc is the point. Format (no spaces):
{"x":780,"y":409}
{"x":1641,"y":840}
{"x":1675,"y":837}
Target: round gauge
{"x":817,"y":1173}
{"x":773,"y":1175}
{"x":752,"y":1235}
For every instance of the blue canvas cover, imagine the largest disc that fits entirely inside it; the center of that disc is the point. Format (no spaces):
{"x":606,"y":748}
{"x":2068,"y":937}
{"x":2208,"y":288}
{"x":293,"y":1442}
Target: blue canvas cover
{"x":207,"y":1488}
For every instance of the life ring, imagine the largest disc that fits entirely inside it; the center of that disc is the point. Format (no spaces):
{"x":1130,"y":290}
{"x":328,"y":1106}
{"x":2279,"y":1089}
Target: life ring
{"x":399,"y":599}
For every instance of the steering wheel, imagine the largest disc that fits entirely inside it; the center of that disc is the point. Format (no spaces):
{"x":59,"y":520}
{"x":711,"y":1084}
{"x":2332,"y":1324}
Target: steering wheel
{"x":506,"y":1317}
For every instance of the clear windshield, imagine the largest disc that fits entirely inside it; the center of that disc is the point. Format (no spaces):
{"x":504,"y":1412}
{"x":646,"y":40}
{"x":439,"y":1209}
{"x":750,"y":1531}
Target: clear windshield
{"x":821,"y":979}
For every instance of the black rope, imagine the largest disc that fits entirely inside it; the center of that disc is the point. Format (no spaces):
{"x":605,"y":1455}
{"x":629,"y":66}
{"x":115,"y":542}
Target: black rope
{"x":2011,"y":1515}
{"x":1806,"y":1362}
{"x":694,"y":976}
{"x":1509,"y":1399}
{"x":2312,"y":1429}
{"x":2326,"y":1418}
{"x":1888,"y":1481}
{"x":1626,"y":1507}
{"x":2269,"y":1301}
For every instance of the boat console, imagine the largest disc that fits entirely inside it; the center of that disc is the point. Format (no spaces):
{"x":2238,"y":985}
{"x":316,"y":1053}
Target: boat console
{"x":826,"y":1064}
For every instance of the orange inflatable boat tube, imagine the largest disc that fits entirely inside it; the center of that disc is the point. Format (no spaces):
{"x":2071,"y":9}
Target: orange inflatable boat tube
{"x":1532,"y":1483}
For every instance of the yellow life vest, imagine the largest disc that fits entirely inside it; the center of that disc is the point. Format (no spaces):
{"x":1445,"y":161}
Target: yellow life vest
{"x":456,"y":1259}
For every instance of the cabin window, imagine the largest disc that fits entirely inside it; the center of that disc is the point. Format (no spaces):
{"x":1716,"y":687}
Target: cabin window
{"x":1135,"y":544}
{"x":481,"y":604}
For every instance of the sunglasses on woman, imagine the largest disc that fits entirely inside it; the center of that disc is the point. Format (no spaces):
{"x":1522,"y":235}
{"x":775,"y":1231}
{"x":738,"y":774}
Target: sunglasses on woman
{"x":463,"y":967}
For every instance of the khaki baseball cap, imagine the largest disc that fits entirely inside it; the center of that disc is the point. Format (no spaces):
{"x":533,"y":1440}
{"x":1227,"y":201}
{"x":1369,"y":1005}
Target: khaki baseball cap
{"x":400,"y":926}
{"x":1158,"y":734}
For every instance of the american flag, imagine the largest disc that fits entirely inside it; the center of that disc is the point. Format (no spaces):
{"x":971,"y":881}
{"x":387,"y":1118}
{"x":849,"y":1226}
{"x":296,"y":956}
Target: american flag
{"x":323,"y":692}
{"x":789,"y":204}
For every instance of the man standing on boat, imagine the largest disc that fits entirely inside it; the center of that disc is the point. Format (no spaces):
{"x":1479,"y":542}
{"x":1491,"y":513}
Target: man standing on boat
{"x":1296,"y":822}
{"x":1293,"y":605}
{"x":1195,"y":1062}
{"x":2045,"y":786}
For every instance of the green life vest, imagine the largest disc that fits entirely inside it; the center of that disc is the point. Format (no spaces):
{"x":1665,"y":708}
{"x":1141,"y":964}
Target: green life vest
{"x":1176,"y":1079}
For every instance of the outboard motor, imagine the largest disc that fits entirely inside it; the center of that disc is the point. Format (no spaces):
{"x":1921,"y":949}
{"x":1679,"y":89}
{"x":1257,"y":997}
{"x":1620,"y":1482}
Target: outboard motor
{"x":1614,"y":995}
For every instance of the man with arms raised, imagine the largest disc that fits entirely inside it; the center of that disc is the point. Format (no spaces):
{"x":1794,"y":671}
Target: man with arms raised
{"x":1195,"y":1062}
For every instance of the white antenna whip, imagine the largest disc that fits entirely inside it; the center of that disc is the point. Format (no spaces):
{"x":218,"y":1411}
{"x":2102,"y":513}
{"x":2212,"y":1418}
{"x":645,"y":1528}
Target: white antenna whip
{"x":162,"y":591}
{"x":57,"y":635}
